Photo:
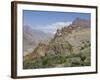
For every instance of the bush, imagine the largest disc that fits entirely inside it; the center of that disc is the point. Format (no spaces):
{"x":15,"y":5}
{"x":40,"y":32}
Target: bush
{"x":54,"y":60}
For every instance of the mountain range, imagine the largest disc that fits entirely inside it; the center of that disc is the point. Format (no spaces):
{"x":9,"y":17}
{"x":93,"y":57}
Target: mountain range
{"x":32,"y":37}
{"x":67,"y":40}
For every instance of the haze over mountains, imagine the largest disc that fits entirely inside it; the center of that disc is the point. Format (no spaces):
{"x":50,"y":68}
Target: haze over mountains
{"x":32,"y":37}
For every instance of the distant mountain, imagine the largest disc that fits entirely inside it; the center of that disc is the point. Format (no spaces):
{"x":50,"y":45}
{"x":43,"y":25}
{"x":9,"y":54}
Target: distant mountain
{"x":81,"y":23}
{"x":67,"y":40}
{"x":32,"y":37}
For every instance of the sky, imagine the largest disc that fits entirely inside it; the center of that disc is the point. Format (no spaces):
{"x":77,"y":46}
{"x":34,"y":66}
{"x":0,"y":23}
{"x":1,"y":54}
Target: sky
{"x":50,"y":21}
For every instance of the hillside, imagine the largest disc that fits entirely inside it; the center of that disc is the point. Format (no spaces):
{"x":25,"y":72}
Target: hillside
{"x":70,"y":46}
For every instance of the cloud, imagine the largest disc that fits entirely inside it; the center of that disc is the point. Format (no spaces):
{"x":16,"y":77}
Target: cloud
{"x":51,"y":28}
{"x":59,"y":25}
{"x":62,"y":23}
